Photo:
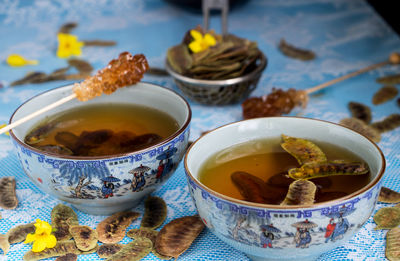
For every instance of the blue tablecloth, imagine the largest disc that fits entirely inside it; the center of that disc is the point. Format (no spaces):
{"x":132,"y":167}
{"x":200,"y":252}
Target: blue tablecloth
{"x":346,"y":35}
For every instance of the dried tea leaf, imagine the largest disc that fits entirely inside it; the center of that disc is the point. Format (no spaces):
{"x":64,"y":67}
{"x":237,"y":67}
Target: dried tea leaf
{"x":67,"y":257}
{"x":295,"y":52}
{"x":325,"y":169}
{"x":99,"y":43}
{"x":67,"y":27}
{"x":81,"y":65}
{"x":133,"y":251}
{"x":85,"y":237}
{"x":55,"y":149}
{"x":384,"y":94}
{"x":32,"y":77}
{"x":107,"y":250}
{"x":176,"y":236}
{"x":250,"y":187}
{"x":362,"y":128}
{"x":179,"y":58}
{"x":155,"y":212}
{"x":390,"y":79}
{"x":389,"y":123}
{"x":301,"y":192}
{"x":360,"y":111}
{"x":303,"y":150}
{"x":18,"y":233}
{"x":8,"y":197}
{"x":143,"y":232}
{"x":112,"y":229}
{"x":4,"y":244}
{"x":62,"y":217}
{"x":387,"y":218}
{"x":392,"y":251}
{"x":386,"y":195}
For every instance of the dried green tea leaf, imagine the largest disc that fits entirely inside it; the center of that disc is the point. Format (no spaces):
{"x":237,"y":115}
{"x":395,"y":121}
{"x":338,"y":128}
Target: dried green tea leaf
{"x":387,"y":218}
{"x":4,"y":244}
{"x":179,"y":58}
{"x":389,"y":123}
{"x":176,"y":236}
{"x":303,"y":150}
{"x":112,"y":229}
{"x":386,"y":195}
{"x":143,"y":232}
{"x":392,"y":251}
{"x":32,"y":77}
{"x":99,"y":43}
{"x":67,"y":257}
{"x":360,"y":111}
{"x":85,"y":237}
{"x":81,"y":65}
{"x":384,"y":94}
{"x":8,"y":196}
{"x":362,"y":128}
{"x":301,"y":192}
{"x":107,"y":250}
{"x":250,"y":187}
{"x":62,"y":217}
{"x":390,"y":79}
{"x":295,"y":52}
{"x":18,"y":233}
{"x":67,"y":27}
{"x":326,"y":169}
{"x":133,"y":251}
{"x":155,"y":212}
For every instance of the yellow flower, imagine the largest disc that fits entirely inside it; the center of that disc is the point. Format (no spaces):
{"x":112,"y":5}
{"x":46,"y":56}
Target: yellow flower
{"x":42,"y":237}
{"x":2,"y":126}
{"x":200,"y":42}
{"x":68,"y":45}
{"x":17,"y":60}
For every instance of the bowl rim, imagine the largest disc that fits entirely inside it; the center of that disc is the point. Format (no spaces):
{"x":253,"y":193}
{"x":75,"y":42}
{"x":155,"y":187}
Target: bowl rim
{"x":337,"y":201}
{"x":218,"y":83}
{"x":181,"y":130}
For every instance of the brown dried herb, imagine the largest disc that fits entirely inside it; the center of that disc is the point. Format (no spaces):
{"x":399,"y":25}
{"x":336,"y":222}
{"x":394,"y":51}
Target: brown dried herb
{"x":112,"y":229}
{"x":387,"y":195}
{"x":99,"y":43}
{"x":295,"y":52}
{"x":107,"y":250}
{"x":250,"y":187}
{"x":384,"y":94}
{"x":155,"y":212}
{"x":67,"y":27}
{"x":360,"y":111}
{"x":387,"y":218}
{"x":133,"y":251}
{"x":157,"y":71}
{"x":143,"y":232}
{"x":81,"y":65}
{"x":393,"y":244}
{"x":40,"y":77}
{"x":362,"y":128}
{"x":301,"y":192}
{"x":389,"y":123}
{"x":390,"y":79}
{"x":8,"y":196}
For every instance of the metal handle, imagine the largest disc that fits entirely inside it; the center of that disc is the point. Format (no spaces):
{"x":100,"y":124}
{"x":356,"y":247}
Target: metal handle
{"x":222,"y":5}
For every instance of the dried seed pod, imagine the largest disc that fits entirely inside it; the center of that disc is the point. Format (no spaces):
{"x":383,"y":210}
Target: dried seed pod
{"x":250,"y":187}
{"x":390,"y":79}
{"x":112,"y":229}
{"x":99,"y":43}
{"x":67,"y":27}
{"x":81,"y":65}
{"x":8,"y":197}
{"x":384,"y":94}
{"x":387,"y":195}
{"x":85,"y":237}
{"x":176,"y":236}
{"x":62,"y":217}
{"x":362,"y":128}
{"x":67,"y":257}
{"x":107,"y":250}
{"x":301,"y":192}
{"x":143,"y":232}
{"x":4,"y":244}
{"x":303,"y":150}
{"x":155,"y":212}
{"x":391,"y":122}
{"x":18,"y":233}
{"x":133,"y":251}
{"x":393,"y":244}
{"x":360,"y":111}
{"x":325,"y":169}
{"x":295,"y":52}
{"x":162,"y":257}
{"x":387,"y":218}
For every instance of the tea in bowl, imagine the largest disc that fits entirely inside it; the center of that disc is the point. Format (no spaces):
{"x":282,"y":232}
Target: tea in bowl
{"x":106,"y":154}
{"x":284,"y":188}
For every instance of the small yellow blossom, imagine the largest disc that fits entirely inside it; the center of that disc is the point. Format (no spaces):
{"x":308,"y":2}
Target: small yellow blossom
{"x":200,"y":42}
{"x":42,"y":238}
{"x":68,"y":45}
{"x":17,"y":60}
{"x":2,"y":126}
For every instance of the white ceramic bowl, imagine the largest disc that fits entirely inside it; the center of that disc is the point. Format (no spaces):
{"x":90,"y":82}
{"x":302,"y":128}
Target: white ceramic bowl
{"x":60,"y":176}
{"x":238,"y":223}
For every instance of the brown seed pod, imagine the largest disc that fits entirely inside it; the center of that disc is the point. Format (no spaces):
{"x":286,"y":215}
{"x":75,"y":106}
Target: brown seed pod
{"x":8,"y":197}
{"x":143,"y":232}
{"x":4,"y":245}
{"x":384,"y":94}
{"x":67,"y":257}
{"x":18,"y":233}
{"x":62,"y":217}
{"x":389,"y":123}
{"x":85,"y":237}
{"x":176,"y":236}
{"x":390,"y":79}
{"x":133,"y":251}
{"x":393,"y":244}
{"x":387,"y":218}
{"x":155,"y":212}
{"x":107,"y":250}
{"x":387,"y":195}
{"x":361,"y":127}
{"x":360,"y":111}
{"x":112,"y":229}
{"x":295,"y":52}
{"x":301,"y":192}
{"x":303,"y":150}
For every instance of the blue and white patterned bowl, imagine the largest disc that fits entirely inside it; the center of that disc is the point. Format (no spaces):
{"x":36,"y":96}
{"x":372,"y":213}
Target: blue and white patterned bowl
{"x":105,"y":184}
{"x":270,"y":232}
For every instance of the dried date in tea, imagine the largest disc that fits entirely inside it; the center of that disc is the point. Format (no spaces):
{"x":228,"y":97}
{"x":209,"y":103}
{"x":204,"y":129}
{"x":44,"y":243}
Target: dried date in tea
{"x":303,"y":150}
{"x":295,"y":52}
{"x":384,"y":94}
{"x":362,"y":128}
{"x":360,"y":111}
{"x":252,"y":188}
{"x":155,"y":212}
{"x":112,"y":229}
{"x":389,"y":123}
{"x":386,"y":195}
{"x":387,"y":218}
{"x":301,"y":192}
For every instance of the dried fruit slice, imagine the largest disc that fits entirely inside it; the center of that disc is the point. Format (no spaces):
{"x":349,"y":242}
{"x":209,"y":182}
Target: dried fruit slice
{"x":386,"y":195}
{"x":360,"y":111}
{"x":8,"y":197}
{"x":325,"y":169}
{"x":303,"y":150}
{"x":67,"y":257}
{"x":387,"y":218}
{"x":112,"y":229}
{"x":295,"y":52}
{"x":384,"y":94}
{"x":389,"y":79}
{"x":176,"y":236}
{"x":107,"y":250}
{"x":62,"y":217}
{"x":133,"y":251}
{"x":392,"y":251}
{"x":361,"y":127}
{"x":391,"y":122}
{"x":301,"y":192}
{"x":155,"y":212}
{"x":18,"y":233}
{"x":85,"y":237}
